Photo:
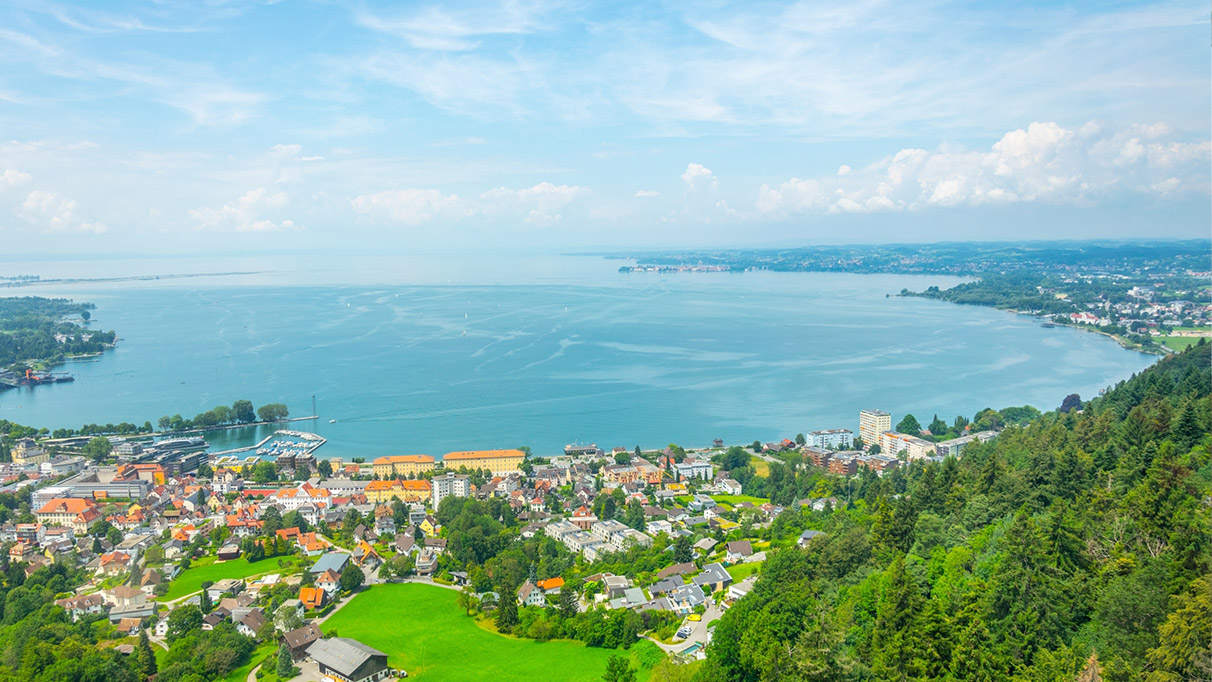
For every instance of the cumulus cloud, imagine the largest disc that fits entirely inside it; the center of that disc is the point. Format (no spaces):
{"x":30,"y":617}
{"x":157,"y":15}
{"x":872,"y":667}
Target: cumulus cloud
{"x":12,"y":177}
{"x":52,"y":213}
{"x":1044,"y":162}
{"x":698,"y":176}
{"x":255,"y":211}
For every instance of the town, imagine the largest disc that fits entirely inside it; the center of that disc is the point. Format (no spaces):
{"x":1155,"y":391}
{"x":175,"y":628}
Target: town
{"x":173,"y":541}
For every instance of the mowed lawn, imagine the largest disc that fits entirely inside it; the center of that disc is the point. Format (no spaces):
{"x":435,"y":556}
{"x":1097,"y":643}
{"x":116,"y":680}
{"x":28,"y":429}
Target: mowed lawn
{"x":191,"y":580}
{"x":422,"y":630}
{"x":741,"y":571}
{"x":734,"y":500}
{"x":1179,"y":343}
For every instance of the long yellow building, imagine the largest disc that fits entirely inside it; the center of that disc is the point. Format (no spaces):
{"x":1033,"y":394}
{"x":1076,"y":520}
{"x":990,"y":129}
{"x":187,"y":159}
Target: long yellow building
{"x":405,"y":491}
{"x":499,"y":462}
{"x":402,"y":465}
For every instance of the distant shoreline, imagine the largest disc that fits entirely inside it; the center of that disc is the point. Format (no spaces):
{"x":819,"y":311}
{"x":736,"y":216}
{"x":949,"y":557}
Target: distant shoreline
{"x":17,"y":283}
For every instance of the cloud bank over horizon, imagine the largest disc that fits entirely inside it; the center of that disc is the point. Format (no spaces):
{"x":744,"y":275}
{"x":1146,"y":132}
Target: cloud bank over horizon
{"x":159,"y":127}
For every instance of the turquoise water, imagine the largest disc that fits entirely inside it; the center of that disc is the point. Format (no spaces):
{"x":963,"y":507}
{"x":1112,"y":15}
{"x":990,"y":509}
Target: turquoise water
{"x":425,"y":357}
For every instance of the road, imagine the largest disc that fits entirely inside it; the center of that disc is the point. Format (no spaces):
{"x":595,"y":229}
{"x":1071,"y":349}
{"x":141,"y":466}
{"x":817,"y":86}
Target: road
{"x":698,"y":635}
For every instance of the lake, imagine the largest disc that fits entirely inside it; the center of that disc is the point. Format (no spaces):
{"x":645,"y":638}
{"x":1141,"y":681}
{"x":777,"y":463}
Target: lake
{"x":429,"y":354}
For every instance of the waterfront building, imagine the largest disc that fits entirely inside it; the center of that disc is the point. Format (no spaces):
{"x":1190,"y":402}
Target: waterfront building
{"x":448,"y":485}
{"x":871,"y":424}
{"x":403,"y":490}
{"x":499,"y":462}
{"x":831,"y":438}
{"x":400,"y":466}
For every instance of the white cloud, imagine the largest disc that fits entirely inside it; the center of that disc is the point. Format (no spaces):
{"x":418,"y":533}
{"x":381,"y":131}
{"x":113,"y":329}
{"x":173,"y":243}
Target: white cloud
{"x":698,"y":176}
{"x":255,"y":211}
{"x":647,"y":193}
{"x":12,"y":177}
{"x":411,"y":206}
{"x":1044,"y":162}
{"x":542,"y":203}
{"x":52,"y":213}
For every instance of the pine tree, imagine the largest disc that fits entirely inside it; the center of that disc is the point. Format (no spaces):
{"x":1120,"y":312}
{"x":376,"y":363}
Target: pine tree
{"x":145,"y":658}
{"x":286,"y":665}
{"x":892,"y":636}
{"x":507,"y":610}
{"x":1186,"y":430}
{"x":568,"y":602}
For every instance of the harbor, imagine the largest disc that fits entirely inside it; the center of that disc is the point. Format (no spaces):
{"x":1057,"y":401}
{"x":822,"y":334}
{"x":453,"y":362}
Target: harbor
{"x":283,"y":446}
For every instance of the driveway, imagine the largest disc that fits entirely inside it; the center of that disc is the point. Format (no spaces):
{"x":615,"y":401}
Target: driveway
{"x":697,"y":636}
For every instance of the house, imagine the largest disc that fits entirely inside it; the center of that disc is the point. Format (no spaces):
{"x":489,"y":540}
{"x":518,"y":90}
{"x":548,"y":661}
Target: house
{"x":529,"y":594}
{"x":299,"y":639}
{"x":405,"y":544}
{"x":701,"y":502}
{"x":365,"y":555}
{"x":124,"y":596}
{"x":313,"y":598}
{"x":705,"y":545}
{"x":150,"y":580}
{"x":83,"y":605}
{"x":730,"y":486}
{"x":807,"y":537}
{"x":349,"y":660}
{"x":228,"y":552}
{"x":114,"y":563}
{"x":677,"y":569}
{"x":251,"y":624}
{"x":684,"y":599}
{"x":738,"y":551}
{"x":427,"y":561}
{"x":664,"y":586}
{"x":225,"y":587}
{"x":330,"y":581}
{"x":333,"y":561}
{"x":713,"y":578}
{"x":551,"y":585}
{"x":129,"y":627}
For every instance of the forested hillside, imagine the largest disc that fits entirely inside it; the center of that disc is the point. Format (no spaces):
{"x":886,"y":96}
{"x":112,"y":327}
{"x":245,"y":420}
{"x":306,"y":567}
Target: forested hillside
{"x":1072,"y":545}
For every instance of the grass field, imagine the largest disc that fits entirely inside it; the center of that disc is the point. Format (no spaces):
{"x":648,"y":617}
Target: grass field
{"x":737,"y":499}
{"x":1179,"y":342}
{"x":741,"y":571}
{"x":207,"y":569}
{"x":760,"y":467}
{"x":423,"y":631}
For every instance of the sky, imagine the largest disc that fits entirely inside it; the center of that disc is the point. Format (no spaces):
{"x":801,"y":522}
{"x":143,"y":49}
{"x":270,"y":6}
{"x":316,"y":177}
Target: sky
{"x":197,"y":127}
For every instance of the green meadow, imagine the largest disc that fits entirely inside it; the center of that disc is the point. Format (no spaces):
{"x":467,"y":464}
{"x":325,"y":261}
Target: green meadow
{"x":423,"y":631}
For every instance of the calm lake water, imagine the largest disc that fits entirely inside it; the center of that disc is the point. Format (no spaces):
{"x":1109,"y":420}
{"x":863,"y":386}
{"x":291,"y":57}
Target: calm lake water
{"x":433,"y":354}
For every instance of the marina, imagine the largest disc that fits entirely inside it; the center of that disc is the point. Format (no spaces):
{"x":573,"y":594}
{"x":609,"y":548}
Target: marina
{"x":282,"y":445}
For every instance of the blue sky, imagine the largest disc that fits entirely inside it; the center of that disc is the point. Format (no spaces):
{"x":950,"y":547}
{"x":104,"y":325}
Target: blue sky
{"x":186,"y":126}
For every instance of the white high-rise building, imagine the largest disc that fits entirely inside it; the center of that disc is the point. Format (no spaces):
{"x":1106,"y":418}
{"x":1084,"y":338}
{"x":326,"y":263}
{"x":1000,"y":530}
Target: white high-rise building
{"x":446,"y":485}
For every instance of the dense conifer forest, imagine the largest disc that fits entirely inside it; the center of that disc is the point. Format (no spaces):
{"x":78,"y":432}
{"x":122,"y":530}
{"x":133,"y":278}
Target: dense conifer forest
{"x":1077,"y":544}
